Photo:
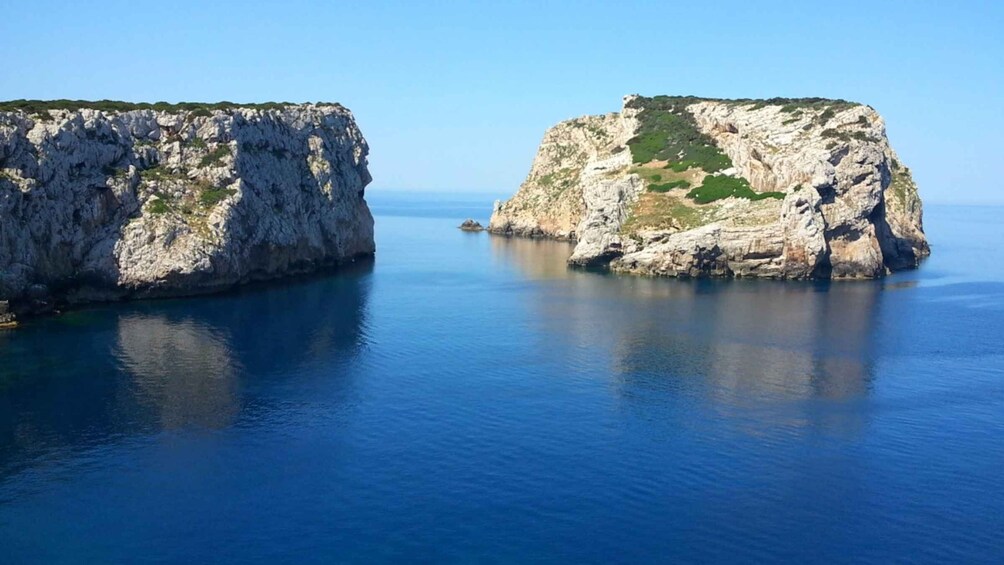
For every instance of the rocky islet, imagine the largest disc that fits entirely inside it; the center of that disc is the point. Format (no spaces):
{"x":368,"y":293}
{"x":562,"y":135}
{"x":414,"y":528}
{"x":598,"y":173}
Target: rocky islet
{"x":683,"y":186}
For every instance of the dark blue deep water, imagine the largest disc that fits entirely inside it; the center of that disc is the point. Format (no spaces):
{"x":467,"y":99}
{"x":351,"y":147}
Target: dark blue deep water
{"x":467,"y":399}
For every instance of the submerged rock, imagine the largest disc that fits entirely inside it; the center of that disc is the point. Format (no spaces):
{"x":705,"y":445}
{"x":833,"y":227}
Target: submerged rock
{"x":102,"y":204}
{"x":680,"y":186}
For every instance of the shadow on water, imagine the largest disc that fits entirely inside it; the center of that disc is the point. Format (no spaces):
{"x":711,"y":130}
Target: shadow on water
{"x":196,"y":363}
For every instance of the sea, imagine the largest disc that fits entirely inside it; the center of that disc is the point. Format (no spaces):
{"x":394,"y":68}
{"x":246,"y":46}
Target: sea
{"x":467,"y":398}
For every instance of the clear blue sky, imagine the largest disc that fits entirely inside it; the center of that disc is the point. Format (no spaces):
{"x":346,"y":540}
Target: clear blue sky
{"x":456,"y":95}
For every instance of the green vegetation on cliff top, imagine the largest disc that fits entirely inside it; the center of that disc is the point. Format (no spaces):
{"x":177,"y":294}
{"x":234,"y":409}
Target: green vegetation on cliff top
{"x":200,"y":108}
{"x":668,"y":132}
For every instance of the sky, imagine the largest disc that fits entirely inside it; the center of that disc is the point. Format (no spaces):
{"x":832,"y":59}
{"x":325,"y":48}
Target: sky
{"x":455,"y":96}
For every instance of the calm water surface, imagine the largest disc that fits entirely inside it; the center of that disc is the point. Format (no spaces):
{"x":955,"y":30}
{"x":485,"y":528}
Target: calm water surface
{"x":467,"y":399}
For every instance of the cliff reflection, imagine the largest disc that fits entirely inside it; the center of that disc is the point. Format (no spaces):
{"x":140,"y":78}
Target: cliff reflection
{"x":189,"y":370}
{"x":183,"y":370}
{"x":756,"y":339}
{"x":189,"y":363}
{"x":537,"y":258}
{"x":732,"y":342}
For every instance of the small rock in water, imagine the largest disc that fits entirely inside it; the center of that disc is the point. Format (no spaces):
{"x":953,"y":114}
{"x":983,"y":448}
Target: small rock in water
{"x":6,"y":318}
{"x":471,"y":225}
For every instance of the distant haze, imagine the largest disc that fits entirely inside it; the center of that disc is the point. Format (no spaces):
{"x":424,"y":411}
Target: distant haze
{"x":456,"y":96}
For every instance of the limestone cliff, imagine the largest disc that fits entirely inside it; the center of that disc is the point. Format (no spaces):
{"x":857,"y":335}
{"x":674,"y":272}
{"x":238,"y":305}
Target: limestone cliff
{"x":157,"y":200}
{"x":681,"y":186}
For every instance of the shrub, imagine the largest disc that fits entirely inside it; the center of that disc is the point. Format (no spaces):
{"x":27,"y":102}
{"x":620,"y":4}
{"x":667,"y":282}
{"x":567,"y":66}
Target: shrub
{"x":717,"y":187}
{"x":846,"y":137}
{"x":655,"y":178}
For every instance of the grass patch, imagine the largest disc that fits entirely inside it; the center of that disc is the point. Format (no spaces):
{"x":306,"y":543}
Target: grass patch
{"x":215,"y":157}
{"x":718,"y":187}
{"x":158,"y":206}
{"x":666,"y":187}
{"x":160,"y":172}
{"x":558,"y":181}
{"x":210,"y":196}
{"x":662,"y":212}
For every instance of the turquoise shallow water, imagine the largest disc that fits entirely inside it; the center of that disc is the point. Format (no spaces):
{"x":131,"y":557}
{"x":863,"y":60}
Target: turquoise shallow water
{"x":467,"y":398}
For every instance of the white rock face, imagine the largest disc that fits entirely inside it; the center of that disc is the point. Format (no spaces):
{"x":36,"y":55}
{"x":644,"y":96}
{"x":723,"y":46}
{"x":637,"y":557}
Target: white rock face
{"x":849,"y":208}
{"x":104,"y":205}
{"x":573,"y":156}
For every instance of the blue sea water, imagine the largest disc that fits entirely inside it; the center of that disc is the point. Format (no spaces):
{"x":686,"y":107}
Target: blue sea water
{"x":466,"y":398}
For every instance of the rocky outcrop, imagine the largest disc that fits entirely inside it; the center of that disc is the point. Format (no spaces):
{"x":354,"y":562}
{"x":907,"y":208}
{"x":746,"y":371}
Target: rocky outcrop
{"x":109,"y":204}
{"x":6,"y":317}
{"x":679,"y":186}
{"x":471,"y":225}
{"x":572,"y":157}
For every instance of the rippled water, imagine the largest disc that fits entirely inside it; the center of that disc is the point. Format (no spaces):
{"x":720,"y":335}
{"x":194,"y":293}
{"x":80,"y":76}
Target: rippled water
{"x":467,"y":398}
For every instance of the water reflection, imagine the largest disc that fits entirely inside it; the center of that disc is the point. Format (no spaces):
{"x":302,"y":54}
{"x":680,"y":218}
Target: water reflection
{"x":536,"y":258}
{"x":755,"y":339}
{"x":183,"y":370}
{"x":733,"y":343}
{"x":191,"y":363}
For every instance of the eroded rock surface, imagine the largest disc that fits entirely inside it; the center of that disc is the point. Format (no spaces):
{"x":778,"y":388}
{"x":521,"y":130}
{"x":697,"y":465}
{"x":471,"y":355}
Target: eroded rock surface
{"x":98,"y":205}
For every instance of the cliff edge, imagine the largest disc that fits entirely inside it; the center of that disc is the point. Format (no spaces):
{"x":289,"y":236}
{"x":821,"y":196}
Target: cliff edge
{"x":684,"y":186}
{"x":109,"y":200}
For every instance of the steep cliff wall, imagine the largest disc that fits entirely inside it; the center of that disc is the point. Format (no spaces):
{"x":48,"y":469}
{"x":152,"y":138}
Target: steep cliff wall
{"x":107,"y":204}
{"x":680,"y":186}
